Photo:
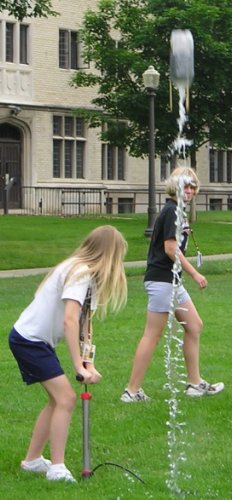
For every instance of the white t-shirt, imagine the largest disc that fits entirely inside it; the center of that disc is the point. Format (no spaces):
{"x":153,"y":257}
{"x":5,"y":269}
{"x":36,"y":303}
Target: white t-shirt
{"x":43,"y":319}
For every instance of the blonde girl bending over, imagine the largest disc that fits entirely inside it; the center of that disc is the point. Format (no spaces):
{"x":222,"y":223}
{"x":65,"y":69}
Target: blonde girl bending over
{"x":95,"y":268}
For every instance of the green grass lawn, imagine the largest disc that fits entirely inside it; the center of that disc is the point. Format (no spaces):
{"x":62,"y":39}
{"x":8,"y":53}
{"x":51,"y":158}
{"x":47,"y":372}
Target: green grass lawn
{"x":134,"y":436}
{"x":38,"y":241}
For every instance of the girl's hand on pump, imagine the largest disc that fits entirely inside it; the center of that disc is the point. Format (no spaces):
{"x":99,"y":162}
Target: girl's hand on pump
{"x":83,"y":376}
{"x":95,"y":375}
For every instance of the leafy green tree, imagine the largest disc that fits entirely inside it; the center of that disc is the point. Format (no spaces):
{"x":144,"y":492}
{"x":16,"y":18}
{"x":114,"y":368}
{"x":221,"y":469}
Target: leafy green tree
{"x":123,"y":37}
{"x":28,"y":8}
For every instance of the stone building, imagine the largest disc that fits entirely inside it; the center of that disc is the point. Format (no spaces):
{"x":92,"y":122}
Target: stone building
{"x":56,"y":163}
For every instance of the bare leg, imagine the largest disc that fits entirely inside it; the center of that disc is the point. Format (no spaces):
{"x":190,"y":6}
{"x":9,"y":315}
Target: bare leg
{"x":152,"y":333}
{"x":41,"y":433}
{"x":192,"y":326}
{"x":58,"y":413}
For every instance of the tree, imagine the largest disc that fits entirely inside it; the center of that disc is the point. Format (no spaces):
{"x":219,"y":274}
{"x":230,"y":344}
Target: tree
{"x":28,"y":8}
{"x":143,"y":29}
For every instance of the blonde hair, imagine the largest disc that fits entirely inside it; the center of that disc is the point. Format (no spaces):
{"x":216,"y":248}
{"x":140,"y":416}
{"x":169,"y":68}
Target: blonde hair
{"x":187,"y":174}
{"x":103,"y":251}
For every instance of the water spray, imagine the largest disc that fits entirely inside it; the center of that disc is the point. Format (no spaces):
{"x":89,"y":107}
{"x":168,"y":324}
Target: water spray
{"x":181,"y":75}
{"x":174,"y":366}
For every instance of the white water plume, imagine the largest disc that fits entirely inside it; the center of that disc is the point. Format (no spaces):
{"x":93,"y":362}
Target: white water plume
{"x":181,"y":71}
{"x":181,"y":142}
{"x":181,"y":74}
{"x":174,"y":367}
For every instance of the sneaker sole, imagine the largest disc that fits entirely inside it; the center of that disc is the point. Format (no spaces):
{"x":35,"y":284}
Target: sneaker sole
{"x":197,"y":395}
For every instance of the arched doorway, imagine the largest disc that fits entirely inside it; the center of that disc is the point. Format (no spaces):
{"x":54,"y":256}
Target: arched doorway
{"x":10,"y":163}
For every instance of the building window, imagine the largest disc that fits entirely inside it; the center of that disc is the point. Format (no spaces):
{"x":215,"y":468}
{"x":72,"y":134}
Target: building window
{"x":166,"y":166}
{"x":113,"y":162}
{"x":70,"y":50}
{"x":10,"y":42}
{"x":57,"y":155}
{"x":23,"y":44}
{"x":121,"y":164}
{"x":220,"y":165}
{"x":126,"y":206}
{"x":79,"y":158}
{"x":109,"y":205}
{"x":215,"y":204}
{"x":229,"y":203}
{"x":16,"y":42}
{"x":68,"y":147}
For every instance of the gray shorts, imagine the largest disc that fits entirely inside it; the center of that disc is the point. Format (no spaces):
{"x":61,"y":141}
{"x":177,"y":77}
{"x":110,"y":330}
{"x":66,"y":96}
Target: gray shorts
{"x":160,"y":295}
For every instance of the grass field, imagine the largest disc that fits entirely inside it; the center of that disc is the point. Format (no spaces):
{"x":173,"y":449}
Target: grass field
{"x":134,"y":436}
{"x":28,"y":241}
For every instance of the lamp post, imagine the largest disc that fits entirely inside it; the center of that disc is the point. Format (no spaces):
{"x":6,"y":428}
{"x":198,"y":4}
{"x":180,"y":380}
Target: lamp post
{"x":151,"y":82}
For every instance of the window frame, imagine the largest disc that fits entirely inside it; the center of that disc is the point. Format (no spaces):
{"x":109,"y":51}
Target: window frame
{"x":15,"y":38}
{"x":220,"y":165}
{"x":113,"y":161}
{"x":66,"y":148}
{"x":70,"y":55}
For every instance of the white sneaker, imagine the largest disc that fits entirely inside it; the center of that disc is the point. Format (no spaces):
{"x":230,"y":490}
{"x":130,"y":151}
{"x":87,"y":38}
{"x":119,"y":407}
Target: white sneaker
{"x":58,"y":472}
{"x":129,"y":397}
{"x":40,"y":465}
{"x":204,"y":389}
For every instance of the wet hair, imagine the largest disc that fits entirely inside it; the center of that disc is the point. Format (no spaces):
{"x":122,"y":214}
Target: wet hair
{"x":102,"y":251}
{"x":184,"y":174}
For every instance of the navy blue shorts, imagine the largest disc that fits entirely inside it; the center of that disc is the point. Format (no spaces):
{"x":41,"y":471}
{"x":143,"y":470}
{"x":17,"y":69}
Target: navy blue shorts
{"x":37,"y":361}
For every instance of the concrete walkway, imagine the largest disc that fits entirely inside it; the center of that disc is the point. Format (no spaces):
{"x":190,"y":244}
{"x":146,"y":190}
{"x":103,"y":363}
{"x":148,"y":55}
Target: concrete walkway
{"x":17,"y":273}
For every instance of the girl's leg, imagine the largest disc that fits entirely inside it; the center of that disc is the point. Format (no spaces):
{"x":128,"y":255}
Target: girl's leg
{"x":58,"y":412}
{"x":192,"y":325}
{"x":152,"y":333}
{"x":41,"y":432}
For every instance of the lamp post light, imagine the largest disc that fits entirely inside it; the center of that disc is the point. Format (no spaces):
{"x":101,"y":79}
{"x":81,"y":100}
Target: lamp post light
{"x":151,"y":82}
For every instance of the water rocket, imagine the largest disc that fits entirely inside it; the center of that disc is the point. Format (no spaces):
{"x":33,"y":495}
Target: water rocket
{"x":181,"y":61}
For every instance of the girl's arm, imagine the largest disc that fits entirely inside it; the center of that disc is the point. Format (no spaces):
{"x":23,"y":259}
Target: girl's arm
{"x":72,"y":310}
{"x":170,"y":250}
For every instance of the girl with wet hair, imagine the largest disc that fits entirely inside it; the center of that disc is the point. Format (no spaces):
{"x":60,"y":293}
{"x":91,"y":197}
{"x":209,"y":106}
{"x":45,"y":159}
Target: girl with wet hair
{"x":158,"y":283}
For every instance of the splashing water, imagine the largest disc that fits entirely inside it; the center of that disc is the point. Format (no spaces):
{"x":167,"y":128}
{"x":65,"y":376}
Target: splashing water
{"x":181,"y":66}
{"x":181,"y":142}
{"x":174,"y":366}
{"x":181,"y":73}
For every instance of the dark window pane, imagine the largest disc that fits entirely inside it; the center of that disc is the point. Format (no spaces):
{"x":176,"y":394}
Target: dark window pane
{"x":109,"y":205}
{"x":74,"y":50}
{"x":68,"y":156}
{"x":63,"y":49}
{"x":212,"y":165}
{"x":68,"y":126}
{"x":173,"y":162}
{"x":103,"y":165}
{"x":9,"y":42}
{"x":80,"y":127}
{"x":110,"y":163}
{"x":8,"y":131}
{"x":215,"y":204}
{"x":23,"y":44}
{"x":57,"y":125}
{"x":79,"y":160}
{"x":125,"y":205}
{"x":121,"y":164}
{"x":163,"y":168}
{"x":56,"y":158}
{"x":220,"y":165}
{"x":229,"y":166}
